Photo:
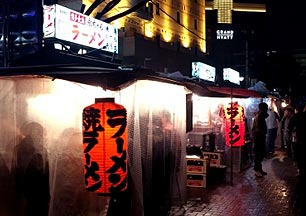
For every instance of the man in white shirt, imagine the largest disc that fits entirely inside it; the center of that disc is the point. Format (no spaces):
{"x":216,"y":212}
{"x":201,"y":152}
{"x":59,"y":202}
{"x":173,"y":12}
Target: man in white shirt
{"x":272,"y":126}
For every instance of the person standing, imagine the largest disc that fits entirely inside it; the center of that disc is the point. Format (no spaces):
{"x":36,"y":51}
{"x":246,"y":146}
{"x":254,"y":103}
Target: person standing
{"x":282,"y":126}
{"x":298,"y":126}
{"x":296,"y":129}
{"x":272,"y":124}
{"x":259,"y":131}
{"x":286,"y":137}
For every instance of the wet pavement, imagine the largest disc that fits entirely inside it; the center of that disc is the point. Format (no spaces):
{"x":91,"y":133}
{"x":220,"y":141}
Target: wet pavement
{"x":243,"y":194}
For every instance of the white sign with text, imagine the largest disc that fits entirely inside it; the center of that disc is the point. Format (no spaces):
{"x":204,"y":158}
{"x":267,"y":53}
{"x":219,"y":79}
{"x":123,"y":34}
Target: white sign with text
{"x":231,"y":75}
{"x":69,"y":25}
{"x":203,"y":71}
{"x":225,"y":34}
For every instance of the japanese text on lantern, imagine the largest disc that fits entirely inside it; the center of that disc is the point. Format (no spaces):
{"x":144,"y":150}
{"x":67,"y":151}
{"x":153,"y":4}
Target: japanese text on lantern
{"x":105,"y":148}
{"x":234,"y":124}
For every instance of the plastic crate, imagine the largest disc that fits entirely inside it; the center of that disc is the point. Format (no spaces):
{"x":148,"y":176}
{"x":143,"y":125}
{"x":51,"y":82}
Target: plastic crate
{"x":196,"y":180}
{"x":195,"y":165}
{"x":215,"y":158}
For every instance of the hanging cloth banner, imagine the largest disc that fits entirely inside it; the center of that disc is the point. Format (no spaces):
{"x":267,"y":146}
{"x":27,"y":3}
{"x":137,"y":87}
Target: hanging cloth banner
{"x":105,"y":137}
{"x":234,"y":124}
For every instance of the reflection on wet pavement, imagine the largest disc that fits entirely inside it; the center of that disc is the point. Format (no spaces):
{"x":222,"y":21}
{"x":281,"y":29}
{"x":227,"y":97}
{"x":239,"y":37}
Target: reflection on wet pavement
{"x":273,"y":195}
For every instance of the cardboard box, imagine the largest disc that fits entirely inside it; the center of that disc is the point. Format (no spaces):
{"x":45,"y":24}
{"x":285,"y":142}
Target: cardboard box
{"x":195,"y":165}
{"x":196,"y":180}
{"x":215,"y":158}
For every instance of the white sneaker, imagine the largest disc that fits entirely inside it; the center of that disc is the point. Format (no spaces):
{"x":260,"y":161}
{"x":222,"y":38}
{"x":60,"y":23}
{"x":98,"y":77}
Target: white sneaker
{"x":258,"y":174}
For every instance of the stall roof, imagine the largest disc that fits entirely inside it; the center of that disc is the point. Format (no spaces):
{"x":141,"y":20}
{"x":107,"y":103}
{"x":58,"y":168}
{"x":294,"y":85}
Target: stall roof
{"x":116,"y":79}
{"x":106,"y":72}
{"x":234,"y":92}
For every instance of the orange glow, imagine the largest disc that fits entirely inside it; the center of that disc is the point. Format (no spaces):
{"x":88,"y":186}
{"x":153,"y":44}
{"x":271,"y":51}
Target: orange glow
{"x":167,"y":36}
{"x":149,"y":30}
{"x":248,"y":7}
{"x":234,"y":124}
{"x":162,"y":25}
{"x":119,"y":23}
{"x":186,"y":42}
{"x":166,"y":25}
{"x":122,"y":5}
{"x":105,"y":147}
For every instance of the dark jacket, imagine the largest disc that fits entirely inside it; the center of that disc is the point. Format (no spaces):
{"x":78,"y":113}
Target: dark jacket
{"x":298,"y":124}
{"x":259,"y":126}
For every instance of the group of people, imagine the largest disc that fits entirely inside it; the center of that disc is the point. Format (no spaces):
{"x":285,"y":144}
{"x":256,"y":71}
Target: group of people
{"x":265,"y":127}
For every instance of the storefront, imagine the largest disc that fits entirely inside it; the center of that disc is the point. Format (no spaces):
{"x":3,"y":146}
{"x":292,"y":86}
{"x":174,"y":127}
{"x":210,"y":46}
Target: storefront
{"x":221,"y":128}
{"x":41,"y":146}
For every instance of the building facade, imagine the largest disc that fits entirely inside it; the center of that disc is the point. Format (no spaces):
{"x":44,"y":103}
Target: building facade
{"x":168,"y":35}
{"x":163,"y":35}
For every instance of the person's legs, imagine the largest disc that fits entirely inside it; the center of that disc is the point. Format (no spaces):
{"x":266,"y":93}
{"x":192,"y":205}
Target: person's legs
{"x":302,"y":188}
{"x":294,"y":151}
{"x":270,"y":140}
{"x":282,"y":139}
{"x":259,"y":150}
{"x":259,"y":156}
{"x":257,"y":161}
{"x":289,"y":148}
{"x":272,"y":133}
{"x":299,"y":155}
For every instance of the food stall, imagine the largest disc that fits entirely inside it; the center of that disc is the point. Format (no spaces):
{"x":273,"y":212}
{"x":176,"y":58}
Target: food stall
{"x":42,"y":154}
{"x":221,"y":127}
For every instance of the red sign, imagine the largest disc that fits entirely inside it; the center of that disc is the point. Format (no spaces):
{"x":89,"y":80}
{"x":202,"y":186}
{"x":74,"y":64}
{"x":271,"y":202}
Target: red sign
{"x":234,"y":124}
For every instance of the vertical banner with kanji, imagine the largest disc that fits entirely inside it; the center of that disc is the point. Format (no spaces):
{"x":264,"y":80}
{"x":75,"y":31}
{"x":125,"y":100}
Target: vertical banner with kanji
{"x":234,"y":124}
{"x":105,"y":137}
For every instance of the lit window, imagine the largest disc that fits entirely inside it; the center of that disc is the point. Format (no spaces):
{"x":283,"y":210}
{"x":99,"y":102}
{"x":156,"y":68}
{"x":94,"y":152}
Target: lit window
{"x":224,"y":8}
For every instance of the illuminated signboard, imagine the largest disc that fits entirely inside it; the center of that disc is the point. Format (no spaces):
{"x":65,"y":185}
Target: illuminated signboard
{"x":234,"y":124}
{"x":203,"y":71}
{"x":68,"y":25}
{"x":225,"y":34}
{"x":231,"y":75}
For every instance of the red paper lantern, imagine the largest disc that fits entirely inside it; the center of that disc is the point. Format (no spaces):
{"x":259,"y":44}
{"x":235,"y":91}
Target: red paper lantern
{"x":234,"y":125}
{"x":105,"y":137}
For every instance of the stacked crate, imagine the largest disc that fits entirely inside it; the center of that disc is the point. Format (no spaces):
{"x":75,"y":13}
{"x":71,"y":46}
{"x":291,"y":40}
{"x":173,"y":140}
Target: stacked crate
{"x":217,"y":166}
{"x":215,"y":158}
{"x":197,"y":169}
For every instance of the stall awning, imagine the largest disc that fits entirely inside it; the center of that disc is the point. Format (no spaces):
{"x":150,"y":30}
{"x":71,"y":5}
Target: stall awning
{"x":234,"y":92}
{"x":115,"y":79}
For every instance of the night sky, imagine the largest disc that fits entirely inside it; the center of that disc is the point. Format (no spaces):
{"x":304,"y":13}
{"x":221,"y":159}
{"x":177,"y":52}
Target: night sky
{"x":285,"y":38}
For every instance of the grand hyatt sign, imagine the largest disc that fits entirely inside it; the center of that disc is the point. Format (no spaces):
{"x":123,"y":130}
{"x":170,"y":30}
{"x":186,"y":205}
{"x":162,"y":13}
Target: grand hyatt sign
{"x":225,"y":34}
